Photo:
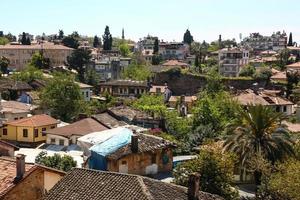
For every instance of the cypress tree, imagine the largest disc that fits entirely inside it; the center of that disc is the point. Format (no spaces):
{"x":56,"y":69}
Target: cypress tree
{"x":156,"y":46}
{"x":107,"y":39}
{"x":24,"y":39}
{"x":28,"y":42}
{"x":96,"y":42}
{"x":290,"y":43}
{"x":187,"y":37}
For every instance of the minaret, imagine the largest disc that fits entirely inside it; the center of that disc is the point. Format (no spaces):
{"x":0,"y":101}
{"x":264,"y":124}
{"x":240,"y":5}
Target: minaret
{"x":123,"y":36}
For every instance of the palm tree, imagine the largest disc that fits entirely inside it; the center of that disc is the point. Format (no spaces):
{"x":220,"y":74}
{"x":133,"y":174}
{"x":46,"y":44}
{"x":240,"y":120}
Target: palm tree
{"x":259,"y":133}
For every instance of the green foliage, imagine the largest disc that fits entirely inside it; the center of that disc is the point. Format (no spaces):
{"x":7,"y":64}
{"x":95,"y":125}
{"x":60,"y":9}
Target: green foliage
{"x":124,"y":49}
{"x":151,"y":104}
{"x":136,"y":72}
{"x":60,"y":34}
{"x":257,"y":132}
{"x":78,"y":59}
{"x":93,"y":107}
{"x":39,"y":61}
{"x":64,"y":163}
{"x":216,"y":173}
{"x":3,"y":41}
{"x":187,"y":37}
{"x":284,"y":56}
{"x":107,"y":39}
{"x":25,"y":40}
{"x":70,"y":41}
{"x":96,"y":42}
{"x":63,"y":97}
{"x":248,"y":70}
{"x":293,"y":79}
{"x":156,"y":59}
{"x":30,"y":73}
{"x":177,"y":126}
{"x":91,"y":77}
{"x":263,"y":73}
{"x":214,"y":82}
{"x":156,"y":46}
{"x":4,"y":62}
{"x":290,"y":42}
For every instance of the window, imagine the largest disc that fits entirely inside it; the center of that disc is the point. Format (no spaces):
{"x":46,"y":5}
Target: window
{"x":284,"y":109}
{"x":61,"y":142}
{"x":36,"y":132}
{"x":153,"y":158}
{"x":44,"y":129}
{"x":52,"y":141}
{"x":15,"y":118}
{"x":52,"y":127}
{"x":25,"y":133}
{"x":5,"y":131}
{"x":87,"y":94}
{"x":124,"y":162}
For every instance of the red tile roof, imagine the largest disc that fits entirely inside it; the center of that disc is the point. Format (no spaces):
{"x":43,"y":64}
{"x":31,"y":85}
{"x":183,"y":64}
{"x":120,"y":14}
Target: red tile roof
{"x":46,"y":46}
{"x":294,"y":65}
{"x":8,"y":173}
{"x":34,"y":121}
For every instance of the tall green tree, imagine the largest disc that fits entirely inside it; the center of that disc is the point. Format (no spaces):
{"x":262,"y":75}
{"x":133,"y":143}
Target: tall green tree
{"x":28,"y":42}
{"x":39,"y":61}
{"x":4,"y":62}
{"x":107,"y":39}
{"x":24,"y":39}
{"x":78,"y":60}
{"x":96,"y":42}
{"x":187,"y":37}
{"x":156,"y":46}
{"x":63,"y":97}
{"x":291,"y":43}
{"x":258,"y":133}
{"x":60,"y":34}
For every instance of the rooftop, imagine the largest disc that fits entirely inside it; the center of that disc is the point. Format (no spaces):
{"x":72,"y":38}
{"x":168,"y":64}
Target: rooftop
{"x":128,"y":113}
{"x":15,"y":107}
{"x":87,"y":184}
{"x":125,"y":83}
{"x":79,"y":128}
{"x":146,"y":143}
{"x":83,"y":85}
{"x":8,"y":173}
{"x":34,"y":121}
{"x":175,"y":63}
{"x":294,"y":65}
{"x":186,"y":98}
{"x":46,"y":45}
{"x":8,"y":84}
{"x":109,"y":120}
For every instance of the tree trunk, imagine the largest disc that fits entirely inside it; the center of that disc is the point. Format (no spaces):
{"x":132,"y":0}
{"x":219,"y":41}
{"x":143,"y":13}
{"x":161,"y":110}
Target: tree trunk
{"x":257,"y":179}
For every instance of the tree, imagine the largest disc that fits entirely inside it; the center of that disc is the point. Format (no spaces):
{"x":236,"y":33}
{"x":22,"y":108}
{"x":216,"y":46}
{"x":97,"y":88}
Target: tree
{"x":124,"y":49}
{"x":216,"y":173}
{"x":30,"y":73}
{"x":4,"y":62}
{"x":136,"y":72}
{"x":24,"y":39}
{"x":91,"y":77}
{"x":96,"y":42}
{"x":151,"y":104}
{"x":264,"y":73}
{"x":70,"y":41}
{"x":187,"y":37}
{"x":78,"y":59}
{"x":107,"y":39}
{"x":3,"y":41}
{"x":38,"y":61}
{"x":60,"y":34}
{"x":28,"y":42}
{"x":64,"y":163}
{"x":156,"y":46}
{"x":247,"y":70}
{"x":63,"y":97}
{"x":257,"y":132}
{"x":290,"y":43}
{"x":293,"y":79}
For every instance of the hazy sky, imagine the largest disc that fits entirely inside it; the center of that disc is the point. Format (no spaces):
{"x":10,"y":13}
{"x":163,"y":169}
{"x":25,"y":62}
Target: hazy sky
{"x":167,"y":19}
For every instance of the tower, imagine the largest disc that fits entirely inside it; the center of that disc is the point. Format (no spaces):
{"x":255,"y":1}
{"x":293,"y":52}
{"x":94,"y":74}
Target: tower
{"x":123,"y":36}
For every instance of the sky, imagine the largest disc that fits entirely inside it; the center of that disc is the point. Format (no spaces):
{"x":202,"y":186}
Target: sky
{"x":167,"y":19}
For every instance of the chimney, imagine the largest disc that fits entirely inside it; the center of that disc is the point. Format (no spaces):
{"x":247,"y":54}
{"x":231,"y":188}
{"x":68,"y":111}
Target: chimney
{"x":134,"y":143}
{"x":193,"y":186}
{"x":20,"y":164}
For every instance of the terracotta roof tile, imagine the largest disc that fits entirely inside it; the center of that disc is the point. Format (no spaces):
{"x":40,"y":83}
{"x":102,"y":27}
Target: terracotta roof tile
{"x":8,"y":173}
{"x":87,"y":184}
{"x":80,"y":128}
{"x":34,"y":121}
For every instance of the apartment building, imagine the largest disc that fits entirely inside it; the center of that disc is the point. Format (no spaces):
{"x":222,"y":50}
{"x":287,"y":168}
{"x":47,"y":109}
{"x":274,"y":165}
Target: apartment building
{"x":19,"y":55}
{"x":173,"y":50}
{"x":231,"y":60}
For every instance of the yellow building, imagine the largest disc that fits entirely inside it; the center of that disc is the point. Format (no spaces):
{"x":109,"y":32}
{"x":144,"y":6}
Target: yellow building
{"x":28,"y":130}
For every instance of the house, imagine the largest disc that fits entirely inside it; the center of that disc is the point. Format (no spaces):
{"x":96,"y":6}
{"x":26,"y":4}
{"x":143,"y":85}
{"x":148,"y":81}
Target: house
{"x":266,"y":98}
{"x":183,"y":103}
{"x":7,"y":149}
{"x":175,"y":63}
{"x":108,"y":68}
{"x":108,"y":120}
{"x":293,"y":67}
{"x":30,"y":98}
{"x":20,"y":181}
{"x":124,"y":88}
{"x":173,"y":50}
{"x":144,"y":155}
{"x":19,"y":55}
{"x":93,"y":184}
{"x":12,"y":90}
{"x":28,"y":131}
{"x":69,"y":134}
{"x":13,"y":110}
{"x":86,"y":91}
{"x":134,"y":117}
{"x":161,"y":89}
{"x":278,"y":75}
{"x":231,"y":61}
{"x":146,"y":46}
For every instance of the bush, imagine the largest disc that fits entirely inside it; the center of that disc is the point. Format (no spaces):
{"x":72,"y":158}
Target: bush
{"x":247,"y":71}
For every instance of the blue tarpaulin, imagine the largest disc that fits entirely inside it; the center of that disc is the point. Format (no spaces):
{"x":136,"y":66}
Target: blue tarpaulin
{"x":100,"y":151}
